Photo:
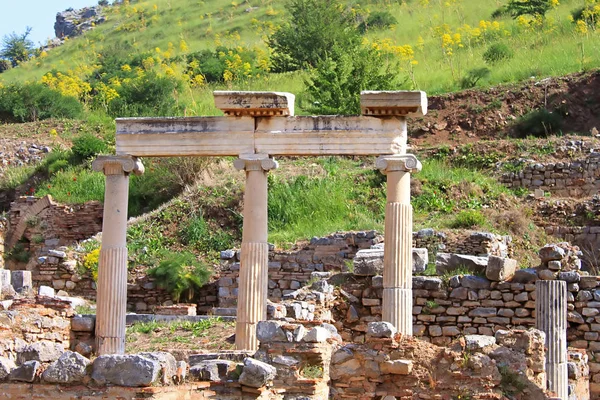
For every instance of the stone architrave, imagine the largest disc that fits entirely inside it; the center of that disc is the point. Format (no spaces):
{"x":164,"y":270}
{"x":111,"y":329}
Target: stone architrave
{"x":253,"y":286}
{"x":112,"y":264}
{"x":551,"y":318}
{"x":397,"y":259}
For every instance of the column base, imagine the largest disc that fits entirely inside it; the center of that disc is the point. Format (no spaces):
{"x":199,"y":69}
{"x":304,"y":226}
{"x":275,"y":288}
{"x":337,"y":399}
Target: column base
{"x":110,"y":345}
{"x":558,"y":379}
{"x":397,"y":309}
{"x":245,"y":336}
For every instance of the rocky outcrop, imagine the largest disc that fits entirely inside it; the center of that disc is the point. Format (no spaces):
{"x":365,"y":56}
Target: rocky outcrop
{"x":70,"y":23}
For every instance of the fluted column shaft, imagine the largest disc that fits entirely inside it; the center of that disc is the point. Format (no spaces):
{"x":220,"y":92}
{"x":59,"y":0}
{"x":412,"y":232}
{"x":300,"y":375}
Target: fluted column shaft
{"x":551,"y":318}
{"x":253,"y":284}
{"x":112,"y":265}
{"x":397,"y":259}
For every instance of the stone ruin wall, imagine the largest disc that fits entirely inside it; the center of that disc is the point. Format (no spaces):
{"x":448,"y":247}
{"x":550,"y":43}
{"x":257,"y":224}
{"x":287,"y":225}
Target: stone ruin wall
{"x":290,"y":270}
{"x":569,"y":179}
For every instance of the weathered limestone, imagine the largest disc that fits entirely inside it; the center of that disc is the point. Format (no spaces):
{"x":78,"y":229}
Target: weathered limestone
{"x":112,"y":265}
{"x":255,"y":104}
{"x":253,"y":289}
{"x":397,"y":271}
{"x":551,"y":318}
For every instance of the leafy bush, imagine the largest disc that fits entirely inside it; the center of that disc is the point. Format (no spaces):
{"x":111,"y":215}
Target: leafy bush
{"x":496,"y":53}
{"x":473,"y":77}
{"x":58,"y":165}
{"x":4,"y":65}
{"x":378,"y":20}
{"x":528,"y":7}
{"x":17,"y":48}
{"x":539,"y":123}
{"x":468,"y":219}
{"x":87,"y":146}
{"x":33,"y":101}
{"x":181,"y":274}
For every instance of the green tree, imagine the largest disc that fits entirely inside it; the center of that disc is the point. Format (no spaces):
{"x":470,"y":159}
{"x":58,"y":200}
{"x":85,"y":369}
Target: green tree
{"x":17,"y":48}
{"x":313,"y":29}
{"x":529,"y":7}
{"x":334,"y":86}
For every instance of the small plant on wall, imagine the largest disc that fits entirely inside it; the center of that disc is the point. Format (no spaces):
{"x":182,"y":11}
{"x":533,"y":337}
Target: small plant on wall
{"x":181,"y":274}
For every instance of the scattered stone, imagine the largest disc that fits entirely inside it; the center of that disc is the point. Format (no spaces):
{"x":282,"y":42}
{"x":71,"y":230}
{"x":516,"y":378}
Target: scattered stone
{"x":125,"y":370}
{"x":318,"y":334}
{"x":569,"y":276}
{"x":427,"y":282}
{"x":46,"y":291}
{"x":42,"y":351}
{"x":257,"y":373}
{"x":475,"y":282}
{"x":270,"y":331}
{"x":446,"y":262}
{"x":368,"y":262}
{"x":80,"y":323}
{"x":500,"y":269}
{"x":21,"y":280}
{"x":69,"y":368}
{"x":227,"y":254}
{"x":84,"y":349}
{"x":396,"y":367}
{"x":546,"y":275}
{"x":212,"y":370}
{"x":6,"y":366}
{"x":168,"y":363}
{"x":420,"y":259}
{"x":551,"y":252}
{"x":478,"y":342}
{"x":26,"y":372}
{"x":285,"y":360}
{"x":525,"y":275}
{"x":381,"y":330}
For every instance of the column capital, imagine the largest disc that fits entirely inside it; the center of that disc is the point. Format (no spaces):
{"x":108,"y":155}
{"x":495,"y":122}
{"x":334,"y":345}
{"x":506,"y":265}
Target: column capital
{"x":118,"y":165}
{"x":401,"y":162}
{"x":255,"y":162}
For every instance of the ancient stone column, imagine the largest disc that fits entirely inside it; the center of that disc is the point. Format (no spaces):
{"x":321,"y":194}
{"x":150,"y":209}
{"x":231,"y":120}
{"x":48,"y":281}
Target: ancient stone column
{"x":551,"y":318}
{"x":253,"y":284}
{"x":112,"y":265}
{"x":397,"y":257}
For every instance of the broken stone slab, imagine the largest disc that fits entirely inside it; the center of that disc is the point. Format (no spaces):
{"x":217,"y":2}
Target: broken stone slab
{"x":46,"y":291}
{"x":500,"y":269}
{"x":369,"y":262}
{"x":342,"y":355}
{"x":569,"y":276}
{"x":427,"y":283}
{"x":526,"y":275}
{"x":478,"y":342}
{"x":71,"y":367}
{"x":396,"y":367}
{"x":270,"y":331}
{"x":318,"y":334}
{"x":256,"y":373}
{"x":125,"y":370}
{"x":403,"y":103}
{"x":21,"y":280}
{"x":167,"y":362}
{"x":6,"y":366}
{"x":474,"y":282}
{"x":57,"y":253}
{"x":285,"y":360}
{"x":213,"y":370}
{"x":26,"y":372}
{"x":381,"y":329}
{"x":446,"y":262}
{"x":234,"y":355}
{"x":42,"y":351}
{"x":83,"y":323}
{"x":551,"y":252}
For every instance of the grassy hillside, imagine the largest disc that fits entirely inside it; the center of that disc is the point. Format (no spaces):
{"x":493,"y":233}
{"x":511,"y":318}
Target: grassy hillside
{"x":168,"y":30}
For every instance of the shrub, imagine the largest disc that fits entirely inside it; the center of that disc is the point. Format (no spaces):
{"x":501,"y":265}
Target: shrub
{"x":87,"y":146}
{"x":378,"y":20}
{"x":181,"y":274}
{"x":58,"y":165}
{"x":539,"y":123}
{"x":496,"y":53}
{"x":473,"y":77}
{"x":468,"y":219}
{"x":31,"y":102}
{"x":4,"y":65}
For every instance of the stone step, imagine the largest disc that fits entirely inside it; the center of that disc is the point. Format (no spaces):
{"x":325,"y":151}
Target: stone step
{"x":223,"y":312}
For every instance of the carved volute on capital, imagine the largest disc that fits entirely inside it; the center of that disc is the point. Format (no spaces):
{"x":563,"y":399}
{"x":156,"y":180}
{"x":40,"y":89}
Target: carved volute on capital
{"x":403,"y":163}
{"x":255,"y":162}
{"x":116,"y":165}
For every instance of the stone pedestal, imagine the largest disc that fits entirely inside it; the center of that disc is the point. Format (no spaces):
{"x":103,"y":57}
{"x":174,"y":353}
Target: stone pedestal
{"x":112,"y":265}
{"x":397,"y":259}
{"x":551,"y":318}
{"x":253,"y":285}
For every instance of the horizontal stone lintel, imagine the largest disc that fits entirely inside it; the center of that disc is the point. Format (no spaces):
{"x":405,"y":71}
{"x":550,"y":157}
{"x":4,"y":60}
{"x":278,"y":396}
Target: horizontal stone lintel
{"x":231,"y":136}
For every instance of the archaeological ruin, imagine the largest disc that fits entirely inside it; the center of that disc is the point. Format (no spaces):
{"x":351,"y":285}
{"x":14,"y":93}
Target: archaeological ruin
{"x":338,"y":317}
